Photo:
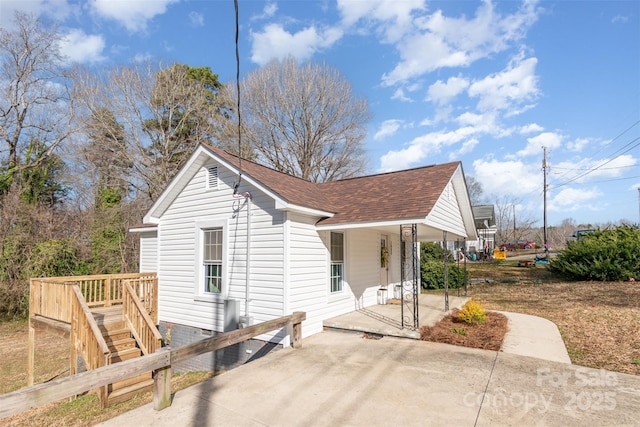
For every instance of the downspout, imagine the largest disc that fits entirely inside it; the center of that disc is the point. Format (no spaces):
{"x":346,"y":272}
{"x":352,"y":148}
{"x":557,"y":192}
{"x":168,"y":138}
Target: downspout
{"x":248,"y":272}
{"x":247,"y":289}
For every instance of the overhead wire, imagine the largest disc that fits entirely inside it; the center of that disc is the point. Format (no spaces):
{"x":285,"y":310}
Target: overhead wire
{"x":235,"y":189}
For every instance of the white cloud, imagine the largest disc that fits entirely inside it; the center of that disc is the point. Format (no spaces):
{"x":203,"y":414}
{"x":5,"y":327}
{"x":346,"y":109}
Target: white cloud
{"x":82,"y":48}
{"x":275,"y":42}
{"x":196,"y":19}
{"x":508,"y":178}
{"x":440,"y":41}
{"x":400,"y":96}
{"x":620,"y":19}
{"x":391,"y":19}
{"x":419,"y":148}
{"x":534,"y":146}
{"x":387,"y":128}
{"x":530,"y":128}
{"x":443,"y":92}
{"x":577,"y":144}
{"x":585,"y":169}
{"x":512,"y":86}
{"x":268,"y":11}
{"x":56,"y":9}
{"x":573,"y":199}
{"x":466,"y":148}
{"x":132,"y":14}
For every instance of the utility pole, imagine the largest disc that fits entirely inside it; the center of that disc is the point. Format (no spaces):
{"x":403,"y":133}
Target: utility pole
{"x":544,"y":171}
{"x":514,"y":222}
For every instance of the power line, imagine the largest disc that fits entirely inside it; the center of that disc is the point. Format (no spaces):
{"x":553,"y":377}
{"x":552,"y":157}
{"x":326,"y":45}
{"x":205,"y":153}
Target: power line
{"x":598,"y":166}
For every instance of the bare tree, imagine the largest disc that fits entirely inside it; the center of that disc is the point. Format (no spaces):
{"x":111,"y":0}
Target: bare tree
{"x":152,"y":118}
{"x":475,"y":190}
{"x":303,"y":120}
{"x":512,"y":225}
{"x":36,"y":103}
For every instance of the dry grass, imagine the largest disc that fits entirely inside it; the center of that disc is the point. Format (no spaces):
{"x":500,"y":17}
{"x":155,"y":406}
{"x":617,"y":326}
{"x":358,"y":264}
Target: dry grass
{"x":599,"y":321}
{"x":52,"y":361}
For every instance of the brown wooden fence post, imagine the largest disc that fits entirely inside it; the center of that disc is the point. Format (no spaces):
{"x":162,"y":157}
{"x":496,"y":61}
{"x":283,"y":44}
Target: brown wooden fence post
{"x":162,"y":388}
{"x":296,"y":330}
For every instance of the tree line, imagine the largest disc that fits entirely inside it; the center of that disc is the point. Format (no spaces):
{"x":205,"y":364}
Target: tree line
{"x":84,"y":152}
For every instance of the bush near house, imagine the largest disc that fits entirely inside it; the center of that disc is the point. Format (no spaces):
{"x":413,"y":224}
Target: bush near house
{"x":432,"y":268}
{"x":606,"y":255}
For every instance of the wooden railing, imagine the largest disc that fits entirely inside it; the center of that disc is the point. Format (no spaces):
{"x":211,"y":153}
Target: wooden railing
{"x":49,"y":298}
{"x":146,"y":290}
{"x":138,"y":320}
{"x":160,"y":362}
{"x":86,"y":338}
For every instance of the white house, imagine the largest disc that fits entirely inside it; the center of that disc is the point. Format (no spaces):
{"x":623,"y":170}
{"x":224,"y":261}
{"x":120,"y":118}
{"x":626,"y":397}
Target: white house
{"x":279,"y":244}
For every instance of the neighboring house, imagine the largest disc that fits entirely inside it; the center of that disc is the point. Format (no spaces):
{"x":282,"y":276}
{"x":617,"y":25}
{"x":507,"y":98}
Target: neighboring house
{"x":485,"y":222}
{"x":322,"y":248}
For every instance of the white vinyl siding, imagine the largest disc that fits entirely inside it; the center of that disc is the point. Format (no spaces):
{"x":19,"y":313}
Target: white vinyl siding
{"x":179,"y":262}
{"x":148,"y":252}
{"x":446,"y":215}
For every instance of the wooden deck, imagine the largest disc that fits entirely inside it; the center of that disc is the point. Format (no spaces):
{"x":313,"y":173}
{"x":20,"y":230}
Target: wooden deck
{"x":105,"y":315}
{"x":109,"y":318}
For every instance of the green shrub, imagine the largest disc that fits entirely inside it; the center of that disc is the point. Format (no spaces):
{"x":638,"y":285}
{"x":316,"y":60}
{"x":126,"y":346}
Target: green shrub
{"x":432,"y":267}
{"x":472,"y":312}
{"x":606,"y":255}
{"x":432,"y":275}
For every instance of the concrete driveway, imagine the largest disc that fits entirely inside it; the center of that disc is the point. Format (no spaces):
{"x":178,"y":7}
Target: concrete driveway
{"x":342,"y":379}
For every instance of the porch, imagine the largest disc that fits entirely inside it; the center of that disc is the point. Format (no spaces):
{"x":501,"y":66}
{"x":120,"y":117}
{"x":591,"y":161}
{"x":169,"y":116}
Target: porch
{"x":385,"y":319}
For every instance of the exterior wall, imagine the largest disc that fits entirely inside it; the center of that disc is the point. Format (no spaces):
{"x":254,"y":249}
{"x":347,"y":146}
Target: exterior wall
{"x":446,"y":215}
{"x":178,"y":255}
{"x":307,"y":272}
{"x":224,"y":359}
{"x":148,"y":251}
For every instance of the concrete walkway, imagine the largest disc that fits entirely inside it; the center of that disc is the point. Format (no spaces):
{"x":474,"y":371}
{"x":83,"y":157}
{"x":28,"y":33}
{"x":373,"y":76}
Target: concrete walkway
{"x":343,"y":379}
{"x":528,"y":335}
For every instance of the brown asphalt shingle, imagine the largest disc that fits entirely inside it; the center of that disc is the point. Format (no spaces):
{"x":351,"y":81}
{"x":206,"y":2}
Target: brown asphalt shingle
{"x":406,"y":194}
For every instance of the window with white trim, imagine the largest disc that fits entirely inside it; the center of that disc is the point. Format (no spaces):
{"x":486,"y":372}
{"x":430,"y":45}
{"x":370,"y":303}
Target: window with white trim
{"x":337,"y":262}
{"x":212,"y":260}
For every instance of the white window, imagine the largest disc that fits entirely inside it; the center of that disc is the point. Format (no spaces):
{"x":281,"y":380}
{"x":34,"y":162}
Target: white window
{"x":211,"y":275}
{"x":212,"y":260}
{"x":337,"y":262}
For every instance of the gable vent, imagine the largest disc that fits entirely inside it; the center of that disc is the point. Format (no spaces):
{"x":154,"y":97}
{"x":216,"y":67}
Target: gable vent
{"x":212,"y":177}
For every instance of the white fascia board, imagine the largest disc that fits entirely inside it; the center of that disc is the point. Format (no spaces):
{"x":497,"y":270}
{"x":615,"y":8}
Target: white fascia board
{"x":395,"y":222}
{"x":176,"y":185}
{"x":290,"y":207}
{"x":143,"y":229}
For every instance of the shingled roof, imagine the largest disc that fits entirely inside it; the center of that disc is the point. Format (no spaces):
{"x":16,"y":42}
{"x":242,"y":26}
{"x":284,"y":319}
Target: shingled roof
{"x":402,"y":195}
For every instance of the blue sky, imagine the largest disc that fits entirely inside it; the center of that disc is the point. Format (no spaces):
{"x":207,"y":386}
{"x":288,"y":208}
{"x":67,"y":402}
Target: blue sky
{"x":486,"y":83}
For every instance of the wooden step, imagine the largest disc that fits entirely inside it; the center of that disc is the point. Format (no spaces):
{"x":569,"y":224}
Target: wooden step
{"x":126,"y":354}
{"x":116,"y":335}
{"x":121,"y":344}
{"x":126,"y":393}
{"x":130,"y":381}
{"x":112,"y":326}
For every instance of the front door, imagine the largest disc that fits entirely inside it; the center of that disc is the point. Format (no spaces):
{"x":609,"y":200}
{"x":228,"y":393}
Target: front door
{"x":384,"y":260}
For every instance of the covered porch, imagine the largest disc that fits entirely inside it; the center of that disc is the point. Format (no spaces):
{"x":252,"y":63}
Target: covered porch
{"x":386,"y":319}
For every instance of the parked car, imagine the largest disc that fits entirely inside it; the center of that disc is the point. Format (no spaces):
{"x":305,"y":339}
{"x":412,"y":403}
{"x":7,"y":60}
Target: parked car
{"x":519,"y":244}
